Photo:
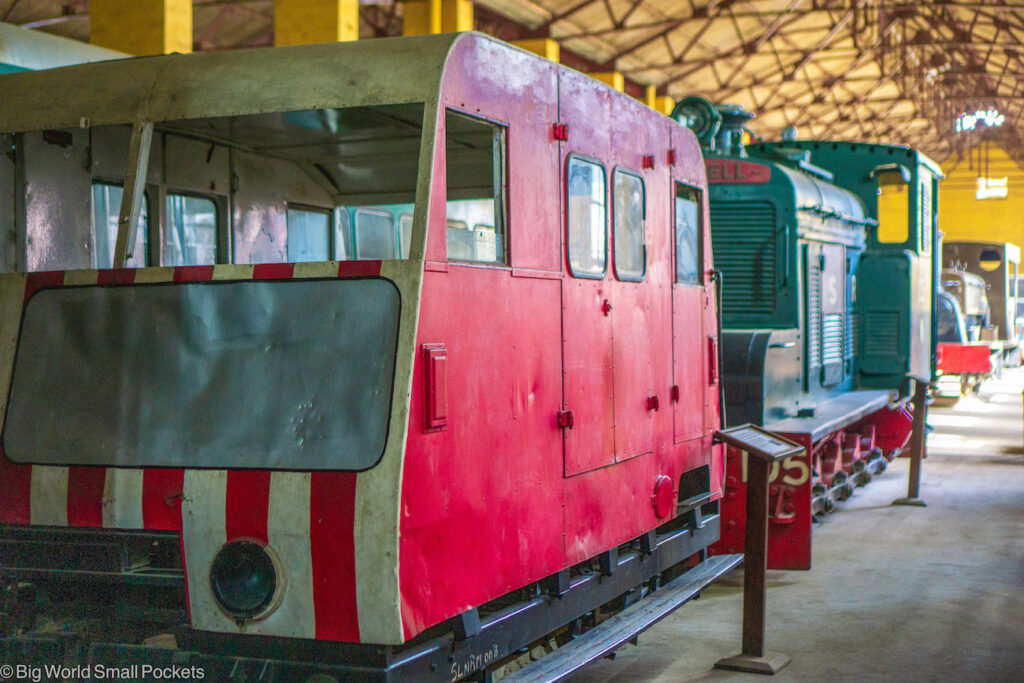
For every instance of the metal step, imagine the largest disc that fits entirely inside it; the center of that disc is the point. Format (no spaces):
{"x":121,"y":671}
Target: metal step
{"x":615,"y":632}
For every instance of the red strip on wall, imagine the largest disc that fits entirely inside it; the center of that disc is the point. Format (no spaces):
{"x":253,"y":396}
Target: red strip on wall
{"x":332,"y":550}
{"x":15,"y":492}
{"x":359,"y":268}
{"x":193,"y":273}
{"x":273,"y":271}
{"x":247,"y":502}
{"x":119,"y":276}
{"x":161,"y":499}
{"x":85,"y":496}
{"x":36,"y":281}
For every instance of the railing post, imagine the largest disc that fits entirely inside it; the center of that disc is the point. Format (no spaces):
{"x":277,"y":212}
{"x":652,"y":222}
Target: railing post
{"x":917,"y":444}
{"x":761,"y":450}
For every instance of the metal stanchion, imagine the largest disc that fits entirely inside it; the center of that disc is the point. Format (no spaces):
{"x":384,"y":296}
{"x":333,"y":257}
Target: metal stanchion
{"x":762,"y":450}
{"x":917,"y":443}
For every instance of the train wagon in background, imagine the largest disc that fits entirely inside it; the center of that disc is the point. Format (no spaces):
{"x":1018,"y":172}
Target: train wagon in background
{"x":827,"y":253}
{"x":998,"y":265}
{"x":415,"y":367}
{"x":963,"y":359}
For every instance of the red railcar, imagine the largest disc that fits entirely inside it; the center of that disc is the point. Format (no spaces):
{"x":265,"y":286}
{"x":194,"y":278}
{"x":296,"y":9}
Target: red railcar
{"x":511,"y":395}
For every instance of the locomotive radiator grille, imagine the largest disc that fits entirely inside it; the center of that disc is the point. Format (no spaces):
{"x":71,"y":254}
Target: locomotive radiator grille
{"x":744,"y":250}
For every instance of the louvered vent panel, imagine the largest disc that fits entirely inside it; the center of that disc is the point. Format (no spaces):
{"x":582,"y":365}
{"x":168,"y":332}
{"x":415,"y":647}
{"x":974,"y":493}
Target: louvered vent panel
{"x":832,"y":338}
{"x":852,"y":332}
{"x":744,"y":247}
{"x":813,"y":312}
{"x":882,"y":334}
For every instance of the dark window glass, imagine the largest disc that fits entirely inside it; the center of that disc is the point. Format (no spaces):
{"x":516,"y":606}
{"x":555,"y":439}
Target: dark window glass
{"x":588,"y":243}
{"x":375,"y":235}
{"x":106,"y":209}
{"x":309,"y":235}
{"x":628,"y":226}
{"x":688,"y":235}
{"x":191,"y":235}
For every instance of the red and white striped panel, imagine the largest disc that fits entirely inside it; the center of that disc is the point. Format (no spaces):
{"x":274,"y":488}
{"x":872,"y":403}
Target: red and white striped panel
{"x":334,"y":534}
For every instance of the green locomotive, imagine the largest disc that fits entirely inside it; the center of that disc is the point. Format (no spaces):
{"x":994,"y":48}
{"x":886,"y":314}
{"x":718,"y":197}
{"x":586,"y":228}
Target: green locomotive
{"x":828,"y":254}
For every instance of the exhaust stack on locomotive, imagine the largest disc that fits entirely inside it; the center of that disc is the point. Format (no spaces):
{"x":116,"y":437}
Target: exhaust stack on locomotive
{"x":828,"y":257}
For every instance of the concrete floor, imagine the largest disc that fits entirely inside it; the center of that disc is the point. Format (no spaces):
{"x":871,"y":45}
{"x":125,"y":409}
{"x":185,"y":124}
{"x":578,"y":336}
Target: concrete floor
{"x":896,"y":593}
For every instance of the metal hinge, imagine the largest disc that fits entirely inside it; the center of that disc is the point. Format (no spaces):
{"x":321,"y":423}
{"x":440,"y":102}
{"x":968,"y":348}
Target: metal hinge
{"x":566,"y":419}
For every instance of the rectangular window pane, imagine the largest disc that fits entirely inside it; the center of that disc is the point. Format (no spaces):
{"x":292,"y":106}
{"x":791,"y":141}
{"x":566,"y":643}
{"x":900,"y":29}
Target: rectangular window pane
{"x":191,"y":235}
{"x":628,"y":226}
{"x":309,"y":235}
{"x":106,"y":209}
{"x":476,"y":189}
{"x":893,"y":208}
{"x":588,"y":249}
{"x":688,"y":235}
{"x":375,"y":235}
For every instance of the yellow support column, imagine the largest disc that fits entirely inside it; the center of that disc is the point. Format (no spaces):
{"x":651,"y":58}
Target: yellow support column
{"x":545,"y":47}
{"x":437,"y":16}
{"x":141,"y":27}
{"x":612,"y":78}
{"x":665,"y":104}
{"x":302,"y":22}
{"x":651,"y":96}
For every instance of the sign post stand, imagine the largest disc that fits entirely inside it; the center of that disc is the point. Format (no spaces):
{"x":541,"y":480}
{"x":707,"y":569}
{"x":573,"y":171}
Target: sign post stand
{"x":762,"y":449}
{"x":917,"y":441}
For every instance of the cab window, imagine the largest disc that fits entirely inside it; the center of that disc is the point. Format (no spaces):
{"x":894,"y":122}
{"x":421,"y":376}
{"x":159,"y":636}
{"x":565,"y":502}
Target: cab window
{"x":475,"y":205}
{"x":688,"y":235}
{"x":191,"y":235}
{"x":375,"y":235}
{"x":628,"y":226}
{"x":309,"y":234}
{"x":106,"y":210}
{"x":587,"y":218}
{"x":893,"y":208}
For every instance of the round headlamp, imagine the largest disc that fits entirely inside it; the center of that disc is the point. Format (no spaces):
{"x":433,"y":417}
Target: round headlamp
{"x":243,"y":579}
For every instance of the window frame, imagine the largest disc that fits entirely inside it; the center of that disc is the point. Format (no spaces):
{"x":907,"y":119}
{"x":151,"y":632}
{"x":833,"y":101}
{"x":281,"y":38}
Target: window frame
{"x":569,"y":158}
{"x":617,"y":170}
{"x":501,"y":202}
{"x":701,"y":229}
{"x":153,"y":221}
{"x":377,"y":212}
{"x":331,"y":229}
{"x":223,"y":244}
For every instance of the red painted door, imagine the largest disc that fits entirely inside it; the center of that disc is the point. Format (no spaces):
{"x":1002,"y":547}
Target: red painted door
{"x":587,"y":303}
{"x":641,"y":332}
{"x":692,"y":348}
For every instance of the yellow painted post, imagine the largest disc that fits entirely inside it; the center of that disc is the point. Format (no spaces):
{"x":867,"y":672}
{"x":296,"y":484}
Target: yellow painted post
{"x":651,"y":96}
{"x":665,"y":104}
{"x":437,"y":16}
{"x":141,"y":27}
{"x":612,"y":78}
{"x":545,"y":47}
{"x":302,"y":22}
